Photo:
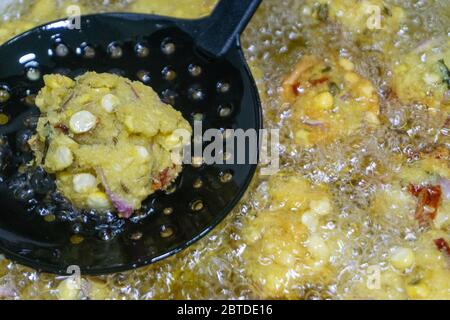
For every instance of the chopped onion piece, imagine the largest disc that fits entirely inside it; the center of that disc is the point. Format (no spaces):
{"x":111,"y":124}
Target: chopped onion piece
{"x":123,"y":207}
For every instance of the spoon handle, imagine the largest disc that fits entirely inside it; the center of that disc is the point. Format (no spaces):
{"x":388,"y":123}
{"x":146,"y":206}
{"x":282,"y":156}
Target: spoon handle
{"x":221,"y":30}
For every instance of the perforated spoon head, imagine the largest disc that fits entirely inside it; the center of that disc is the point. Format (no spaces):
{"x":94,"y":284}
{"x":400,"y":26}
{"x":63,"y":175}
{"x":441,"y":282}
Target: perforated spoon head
{"x":195,"y":65}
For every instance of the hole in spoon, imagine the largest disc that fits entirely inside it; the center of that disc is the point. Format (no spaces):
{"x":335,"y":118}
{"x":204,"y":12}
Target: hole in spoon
{"x":136,"y":236}
{"x":115,"y":50}
{"x":76,"y":239}
{"x":167,"y":46}
{"x":166,"y":231}
{"x":143,"y":76}
{"x":196,"y":93}
{"x":50,"y":218}
{"x":225,"y":155}
{"x":198,"y":116}
{"x":168,"y":211}
{"x":117,"y":71}
{"x":33,"y":74}
{"x":225,"y":176}
{"x":223,"y":87}
{"x":141,"y":50}
{"x":61,"y":50}
{"x":4,"y":119}
{"x":198,"y":183}
{"x":171,"y":189}
{"x":86,"y":51}
{"x":63,"y":71}
{"x":29,"y":100}
{"x":169,"y":96}
{"x":197,"y":205}
{"x":168,"y":74}
{"x":197,"y":162}
{"x":194,"y":70}
{"x":4,"y":94}
{"x":225,"y":110}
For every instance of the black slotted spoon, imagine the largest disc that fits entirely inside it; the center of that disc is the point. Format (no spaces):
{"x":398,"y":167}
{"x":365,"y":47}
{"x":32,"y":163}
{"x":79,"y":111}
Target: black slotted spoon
{"x":196,"y":65}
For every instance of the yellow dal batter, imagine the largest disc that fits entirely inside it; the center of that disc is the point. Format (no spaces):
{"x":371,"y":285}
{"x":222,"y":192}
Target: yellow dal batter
{"x":109,"y":140}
